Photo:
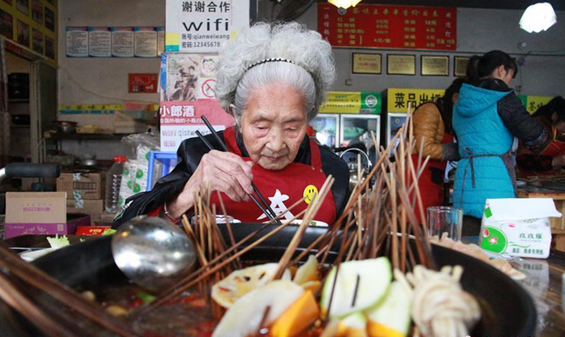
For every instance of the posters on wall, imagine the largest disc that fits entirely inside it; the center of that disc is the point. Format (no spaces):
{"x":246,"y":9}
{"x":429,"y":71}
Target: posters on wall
{"x":37,"y":11}
{"x":6,"y":24}
{"x":181,"y":120}
{"x":122,"y":41}
{"x":187,"y":91}
{"x":77,"y":41}
{"x":49,"y":19}
{"x":29,"y":23}
{"x":37,"y":41}
{"x":23,"y":6}
{"x":189,"y":77}
{"x":23,"y":33}
{"x":99,"y":42}
{"x":200,"y":26}
{"x":49,"y":47}
{"x":145,"y":42}
{"x":160,"y":40}
{"x":113,"y":41}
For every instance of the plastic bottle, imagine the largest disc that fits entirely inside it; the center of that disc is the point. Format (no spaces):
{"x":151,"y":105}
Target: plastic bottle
{"x":113,"y":181}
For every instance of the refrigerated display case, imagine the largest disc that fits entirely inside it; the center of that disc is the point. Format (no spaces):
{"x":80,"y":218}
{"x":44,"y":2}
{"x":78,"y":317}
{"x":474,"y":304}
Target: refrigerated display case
{"x":326,"y":127}
{"x":358,"y":130}
{"x":395,"y":120}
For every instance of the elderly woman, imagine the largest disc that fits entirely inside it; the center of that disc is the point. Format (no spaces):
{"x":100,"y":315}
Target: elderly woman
{"x":272,"y":79}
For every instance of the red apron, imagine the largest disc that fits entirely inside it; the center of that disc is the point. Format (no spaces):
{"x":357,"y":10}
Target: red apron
{"x":553,"y":149}
{"x":281,"y":188}
{"x":431,"y":192}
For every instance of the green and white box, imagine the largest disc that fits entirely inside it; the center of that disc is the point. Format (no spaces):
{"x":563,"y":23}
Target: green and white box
{"x":518,"y":227}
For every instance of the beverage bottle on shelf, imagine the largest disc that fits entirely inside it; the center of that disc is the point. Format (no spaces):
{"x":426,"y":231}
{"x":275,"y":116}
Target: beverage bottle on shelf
{"x":113,"y":181}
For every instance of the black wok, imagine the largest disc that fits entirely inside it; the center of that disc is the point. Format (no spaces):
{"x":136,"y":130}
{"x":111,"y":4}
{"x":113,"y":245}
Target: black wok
{"x":507,"y":309}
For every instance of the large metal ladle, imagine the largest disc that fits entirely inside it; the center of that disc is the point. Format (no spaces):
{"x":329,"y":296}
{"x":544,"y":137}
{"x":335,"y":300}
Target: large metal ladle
{"x":152,"y":252}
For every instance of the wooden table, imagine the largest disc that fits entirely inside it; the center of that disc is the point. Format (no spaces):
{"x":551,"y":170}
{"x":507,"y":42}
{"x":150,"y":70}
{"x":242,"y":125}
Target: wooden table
{"x":545,"y":285}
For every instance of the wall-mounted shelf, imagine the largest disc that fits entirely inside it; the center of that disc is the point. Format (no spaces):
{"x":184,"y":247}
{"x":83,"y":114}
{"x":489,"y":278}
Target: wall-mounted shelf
{"x":88,"y":136}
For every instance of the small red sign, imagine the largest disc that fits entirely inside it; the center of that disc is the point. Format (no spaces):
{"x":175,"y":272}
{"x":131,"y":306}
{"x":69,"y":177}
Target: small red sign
{"x":142,"y":83}
{"x":92,"y":230}
{"x":389,"y":26}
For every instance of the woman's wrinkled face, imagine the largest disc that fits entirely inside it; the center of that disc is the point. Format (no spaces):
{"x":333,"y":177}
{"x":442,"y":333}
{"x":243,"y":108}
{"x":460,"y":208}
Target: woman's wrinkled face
{"x":274,"y":124}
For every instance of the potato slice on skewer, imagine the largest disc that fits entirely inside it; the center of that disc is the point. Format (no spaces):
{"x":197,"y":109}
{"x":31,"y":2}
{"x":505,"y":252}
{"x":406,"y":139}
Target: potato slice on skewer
{"x":240,"y":282}
{"x":244,"y":317}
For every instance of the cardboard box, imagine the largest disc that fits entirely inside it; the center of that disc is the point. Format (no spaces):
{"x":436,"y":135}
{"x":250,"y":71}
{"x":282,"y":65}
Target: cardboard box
{"x":40,"y":213}
{"x":82,"y":184}
{"x":86,"y":206}
{"x":106,"y":218}
{"x":70,"y":227}
{"x":36,"y":207}
{"x":518,"y":227}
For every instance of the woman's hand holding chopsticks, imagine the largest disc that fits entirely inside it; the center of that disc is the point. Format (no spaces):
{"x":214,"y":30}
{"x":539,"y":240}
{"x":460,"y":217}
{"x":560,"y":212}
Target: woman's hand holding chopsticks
{"x":220,"y":171}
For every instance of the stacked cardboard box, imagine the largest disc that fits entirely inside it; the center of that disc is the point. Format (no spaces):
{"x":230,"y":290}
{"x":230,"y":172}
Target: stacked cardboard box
{"x":40,"y":213}
{"x":85,"y":192}
{"x":82,"y":184}
{"x":94,"y":207}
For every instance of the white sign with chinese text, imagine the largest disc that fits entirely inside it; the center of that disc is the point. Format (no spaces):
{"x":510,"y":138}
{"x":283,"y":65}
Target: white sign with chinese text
{"x":518,"y":227}
{"x":181,"y":120}
{"x":200,"y":26}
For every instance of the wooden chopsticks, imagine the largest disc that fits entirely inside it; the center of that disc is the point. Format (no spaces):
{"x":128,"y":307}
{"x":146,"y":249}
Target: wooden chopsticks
{"x":261,"y":203}
{"x":12,"y":266}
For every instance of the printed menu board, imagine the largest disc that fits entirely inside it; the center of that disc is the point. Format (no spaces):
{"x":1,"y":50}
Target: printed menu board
{"x":389,"y":26}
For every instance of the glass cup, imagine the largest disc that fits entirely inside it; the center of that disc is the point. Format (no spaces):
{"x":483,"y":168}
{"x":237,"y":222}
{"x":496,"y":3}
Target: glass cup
{"x":444,"y":219}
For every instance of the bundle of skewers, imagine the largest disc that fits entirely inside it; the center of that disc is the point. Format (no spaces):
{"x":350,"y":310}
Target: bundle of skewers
{"x":371,"y":274}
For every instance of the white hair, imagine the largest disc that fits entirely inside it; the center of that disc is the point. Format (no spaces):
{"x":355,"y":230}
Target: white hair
{"x":311,"y":72}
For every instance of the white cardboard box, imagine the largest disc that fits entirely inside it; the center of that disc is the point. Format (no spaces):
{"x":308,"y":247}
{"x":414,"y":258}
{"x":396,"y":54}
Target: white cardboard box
{"x":518,"y":227}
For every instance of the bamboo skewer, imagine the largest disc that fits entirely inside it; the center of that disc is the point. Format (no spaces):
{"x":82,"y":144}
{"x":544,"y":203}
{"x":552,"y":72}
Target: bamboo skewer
{"x":205,"y":271}
{"x":45,"y":283}
{"x":384,"y":215}
{"x":10,"y":294}
{"x":310,"y":213}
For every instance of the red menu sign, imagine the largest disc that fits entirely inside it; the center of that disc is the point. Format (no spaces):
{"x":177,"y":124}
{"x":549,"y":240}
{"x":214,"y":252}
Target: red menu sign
{"x":389,"y":26}
{"x":143,"y":83}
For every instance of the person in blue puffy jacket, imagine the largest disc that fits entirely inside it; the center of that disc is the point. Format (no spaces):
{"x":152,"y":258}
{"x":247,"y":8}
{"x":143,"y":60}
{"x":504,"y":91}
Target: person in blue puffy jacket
{"x":486,"y":118}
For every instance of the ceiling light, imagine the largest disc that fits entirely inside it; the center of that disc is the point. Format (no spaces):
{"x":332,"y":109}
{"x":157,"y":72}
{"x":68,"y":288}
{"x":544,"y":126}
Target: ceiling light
{"x":538,"y":17}
{"x":344,"y":3}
